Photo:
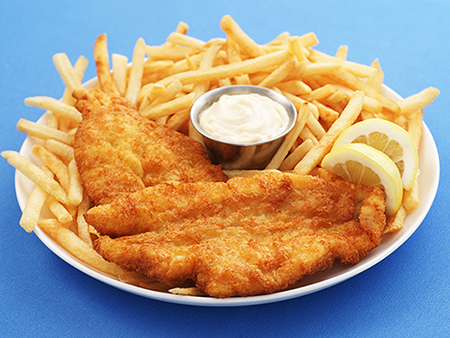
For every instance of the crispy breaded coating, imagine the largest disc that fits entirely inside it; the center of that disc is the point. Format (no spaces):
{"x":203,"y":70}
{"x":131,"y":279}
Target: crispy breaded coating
{"x":118,"y":151}
{"x":252,"y":235}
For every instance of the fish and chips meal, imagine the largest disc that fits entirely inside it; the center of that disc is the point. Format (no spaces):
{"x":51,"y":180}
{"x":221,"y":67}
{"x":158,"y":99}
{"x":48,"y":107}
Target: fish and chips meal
{"x":133,"y":193}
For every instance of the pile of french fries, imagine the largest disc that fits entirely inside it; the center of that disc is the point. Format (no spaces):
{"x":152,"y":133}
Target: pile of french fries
{"x":329,"y":92}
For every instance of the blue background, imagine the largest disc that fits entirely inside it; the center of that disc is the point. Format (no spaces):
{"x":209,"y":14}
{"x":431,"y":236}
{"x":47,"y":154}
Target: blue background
{"x":405,"y":295}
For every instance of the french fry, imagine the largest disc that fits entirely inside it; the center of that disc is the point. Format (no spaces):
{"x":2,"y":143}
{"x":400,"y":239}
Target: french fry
{"x":308,"y":40}
{"x":79,"y":68}
{"x":75,"y":194}
{"x":294,"y":87}
{"x":168,"y":94}
{"x":356,"y":69}
{"x":246,"y":44}
{"x":169,"y":108}
{"x":56,"y":106}
{"x":234,"y":56}
{"x":43,"y":132}
{"x":64,"y":151}
{"x":77,"y":247}
{"x":136,"y":72}
{"x":316,"y":154}
{"x":395,"y":223}
{"x":296,"y":47}
{"x":66,"y":71}
{"x":342,"y":52}
{"x":376,"y":80}
{"x":186,"y":41}
{"x":134,"y":278}
{"x":33,"y":207}
{"x":35,"y":174}
{"x":120,"y":72}
{"x":55,"y":207}
{"x":191,"y":291}
{"x":290,"y":138}
{"x":175,"y":53}
{"x":291,"y":161}
{"x":280,"y":73}
{"x":82,"y":226}
{"x":102,"y":62}
{"x":418,"y":101}
{"x":54,"y":164}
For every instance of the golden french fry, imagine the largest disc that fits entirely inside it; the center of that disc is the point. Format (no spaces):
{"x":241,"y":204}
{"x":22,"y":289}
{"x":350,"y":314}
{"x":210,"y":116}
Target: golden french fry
{"x":66,"y":71}
{"x":356,"y":69}
{"x":349,"y":80}
{"x":43,"y":132}
{"x":312,"y":69}
{"x":54,"y":164}
{"x":291,"y":161}
{"x":82,"y":226}
{"x":55,"y":207}
{"x":120,"y":72}
{"x":79,"y":68}
{"x":308,"y":40}
{"x":395,"y":223}
{"x":342,"y":52}
{"x":326,"y":113}
{"x":168,"y":94}
{"x":35,"y":174}
{"x":33,"y":207}
{"x":315,"y":127}
{"x":234,"y":56}
{"x":296,"y":47}
{"x":376,"y":80}
{"x":411,"y":197}
{"x":136,"y":72}
{"x":280,"y":73}
{"x":56,"y":106}
{"x":77,"y":247}
{"x":169,"y":108}
{"x":418,"y":101}
{"x":290,"y":138}
{"x":191,"y":291}
{"x":134,"y":278}
{"x":246,"y":44}
{"x":186,"y":41}
{"x":62,"y":150}
{"x":102,"y":62}
{"x":316,"y":154}
{"x":415,"y":126}
{"x":294,"y":87}
{"x":174,"y":53}
{"x":75,"y":194}
{"x":177,"y":120}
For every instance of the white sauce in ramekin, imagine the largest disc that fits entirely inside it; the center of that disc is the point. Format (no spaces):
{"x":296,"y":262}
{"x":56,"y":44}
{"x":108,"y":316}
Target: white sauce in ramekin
{"x":244,"y":118}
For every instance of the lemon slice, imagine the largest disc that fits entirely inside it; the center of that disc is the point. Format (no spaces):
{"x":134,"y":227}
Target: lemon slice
{"x":389,"y":138}
{"x":360,"y":163}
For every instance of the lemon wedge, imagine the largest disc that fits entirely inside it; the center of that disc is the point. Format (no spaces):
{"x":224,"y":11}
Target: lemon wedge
{"x":389,"y":138}
{"x":360,"y":163}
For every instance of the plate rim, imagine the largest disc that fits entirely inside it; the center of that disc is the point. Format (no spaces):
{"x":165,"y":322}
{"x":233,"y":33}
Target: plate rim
{"x":294,"y":292}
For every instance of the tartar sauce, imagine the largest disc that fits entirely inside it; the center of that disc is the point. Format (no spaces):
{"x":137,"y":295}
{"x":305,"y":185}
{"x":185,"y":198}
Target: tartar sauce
{"x":244,"y":118}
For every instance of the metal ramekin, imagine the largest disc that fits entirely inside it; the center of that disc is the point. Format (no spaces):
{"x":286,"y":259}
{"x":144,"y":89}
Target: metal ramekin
{"x":241,"y":155}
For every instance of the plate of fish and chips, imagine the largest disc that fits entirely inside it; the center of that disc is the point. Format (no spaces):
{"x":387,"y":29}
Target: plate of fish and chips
{"x":188,"y":294}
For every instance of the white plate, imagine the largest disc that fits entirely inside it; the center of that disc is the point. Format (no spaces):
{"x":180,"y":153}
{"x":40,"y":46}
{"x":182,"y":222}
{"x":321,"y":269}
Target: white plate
{"x":429,"y":179}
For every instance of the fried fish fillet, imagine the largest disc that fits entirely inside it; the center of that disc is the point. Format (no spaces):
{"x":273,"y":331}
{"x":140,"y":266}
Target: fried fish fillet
{"x":118,"y":151}
{"x":252,"y":235}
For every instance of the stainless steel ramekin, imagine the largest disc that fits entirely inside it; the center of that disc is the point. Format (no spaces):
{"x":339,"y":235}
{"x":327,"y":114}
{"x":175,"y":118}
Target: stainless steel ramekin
{"x":241,"y":155}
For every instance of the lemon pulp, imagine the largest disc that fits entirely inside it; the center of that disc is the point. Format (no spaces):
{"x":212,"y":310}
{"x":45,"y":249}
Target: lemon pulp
{"x":363,"y":164}
{"x":390,"y":139}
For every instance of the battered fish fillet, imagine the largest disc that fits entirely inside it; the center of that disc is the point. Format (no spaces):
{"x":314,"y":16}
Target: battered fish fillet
{"x":252,"y":235}
{"x":118,"y":151}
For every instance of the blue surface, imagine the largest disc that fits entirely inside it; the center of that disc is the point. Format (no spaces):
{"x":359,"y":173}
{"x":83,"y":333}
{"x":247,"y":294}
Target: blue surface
{"x":405,"y":295}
